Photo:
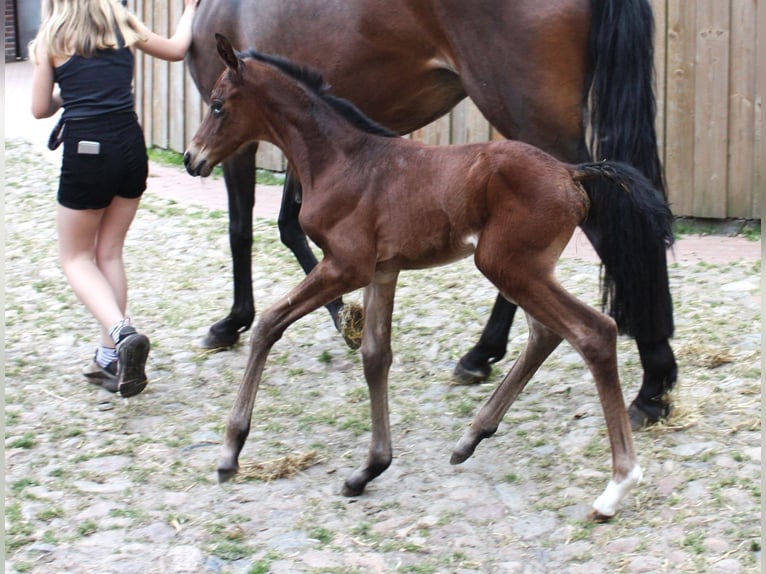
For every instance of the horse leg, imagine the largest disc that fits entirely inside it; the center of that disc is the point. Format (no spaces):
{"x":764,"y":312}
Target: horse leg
{"x":323,"y":284}
{"x":376,"y":357}
{"x":540,"y":344}
{"x":594,"y":336}
{"x":474,"y":366}
{"x":292,"y":235}
{"x":660,"y":373}
{"x":239,"y":175}
{"x":652,"y":339}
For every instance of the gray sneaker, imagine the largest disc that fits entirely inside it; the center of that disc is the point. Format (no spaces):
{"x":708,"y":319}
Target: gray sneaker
{"x":132,"y":352}
{"x":104,"y":377}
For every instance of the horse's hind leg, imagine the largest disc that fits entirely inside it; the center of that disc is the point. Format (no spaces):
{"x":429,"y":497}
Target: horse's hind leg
{"x":292,"y":235}
{"x":475,"y":365}
{"x":377,"y":357}
{"x":540,"y":344}
{"x":594,"y":336}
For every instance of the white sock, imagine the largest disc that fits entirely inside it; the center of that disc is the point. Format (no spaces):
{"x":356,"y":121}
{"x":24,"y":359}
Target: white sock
{"x":105,"y":355}
{"x":114,"y":332}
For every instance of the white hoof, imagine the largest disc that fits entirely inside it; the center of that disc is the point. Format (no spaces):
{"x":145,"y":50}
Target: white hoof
{"x":607,"y":504}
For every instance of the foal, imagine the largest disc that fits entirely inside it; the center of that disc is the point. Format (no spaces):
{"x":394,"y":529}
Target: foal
{"x":377,"y":204}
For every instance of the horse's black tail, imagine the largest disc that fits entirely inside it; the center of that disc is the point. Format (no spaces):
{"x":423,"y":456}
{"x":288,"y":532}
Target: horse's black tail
{"x":619,"y":89}
{"x":630,"y":224}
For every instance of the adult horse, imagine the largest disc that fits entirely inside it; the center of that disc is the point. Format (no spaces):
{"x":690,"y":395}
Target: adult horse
{"x":539,"y":71}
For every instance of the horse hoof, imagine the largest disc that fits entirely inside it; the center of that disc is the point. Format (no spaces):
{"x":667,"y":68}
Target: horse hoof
{"x":219,"y":341}
{"x":641,"y":419}
{"x":596,"y":516}
{"x":463,"y":375}
{"x":351,"y":324}
{"x":459,"y":457}
{"x":225,"y":473}
{"x":352,"y":490}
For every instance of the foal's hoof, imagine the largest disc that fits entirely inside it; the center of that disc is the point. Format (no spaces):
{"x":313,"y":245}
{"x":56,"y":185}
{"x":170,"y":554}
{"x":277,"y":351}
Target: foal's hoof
{"x":465,"y":375}
{"x":459,"y":457}
{"x":596,"y":516}
{"x":350,"y":489}
{"x":219,"y":341}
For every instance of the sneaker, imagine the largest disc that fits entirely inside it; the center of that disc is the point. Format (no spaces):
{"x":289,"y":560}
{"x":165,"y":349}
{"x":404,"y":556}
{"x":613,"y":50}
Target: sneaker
{"x":132,"y":352}
{"x":104,"y":377}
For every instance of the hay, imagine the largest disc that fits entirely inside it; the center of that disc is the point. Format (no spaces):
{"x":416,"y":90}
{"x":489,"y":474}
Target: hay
{"x":705,"y":355}
{"x":351,"y":318}
{"x":681,"y":417}
{"x":283,"y":467}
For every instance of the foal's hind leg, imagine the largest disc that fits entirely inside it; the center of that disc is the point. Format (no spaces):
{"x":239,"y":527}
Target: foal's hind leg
{"x":377,"y":357}
{"x":540,"y":345}
{"x":594,"y":336}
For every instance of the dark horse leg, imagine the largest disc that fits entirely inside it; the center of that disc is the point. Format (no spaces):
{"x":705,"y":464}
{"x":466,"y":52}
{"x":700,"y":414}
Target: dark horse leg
{"x":622,"y":112}
{"x":239,"y":175}
{"x":474,"y":366}
{"x":292,"y":235}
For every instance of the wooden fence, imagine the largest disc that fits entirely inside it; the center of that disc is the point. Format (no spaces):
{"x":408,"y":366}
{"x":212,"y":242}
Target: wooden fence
{"x":710,"y":85}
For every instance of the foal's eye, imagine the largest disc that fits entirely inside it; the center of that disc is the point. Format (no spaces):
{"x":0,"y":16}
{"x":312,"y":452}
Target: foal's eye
{"x":217,"y":107}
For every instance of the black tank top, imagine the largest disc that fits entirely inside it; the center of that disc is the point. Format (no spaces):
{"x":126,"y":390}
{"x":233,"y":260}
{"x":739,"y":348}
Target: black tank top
{"x":98,"y":85}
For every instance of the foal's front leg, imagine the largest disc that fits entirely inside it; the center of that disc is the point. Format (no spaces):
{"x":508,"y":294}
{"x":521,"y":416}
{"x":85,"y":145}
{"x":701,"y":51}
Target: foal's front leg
{"x":377,"y":357}
{"x":322,"y":285}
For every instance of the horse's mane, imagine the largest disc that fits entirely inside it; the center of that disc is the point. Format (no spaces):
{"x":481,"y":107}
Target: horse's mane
{"x":313,"y":80}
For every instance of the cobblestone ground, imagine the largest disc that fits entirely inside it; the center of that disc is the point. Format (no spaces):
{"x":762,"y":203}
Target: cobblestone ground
{"x":101,"y":485}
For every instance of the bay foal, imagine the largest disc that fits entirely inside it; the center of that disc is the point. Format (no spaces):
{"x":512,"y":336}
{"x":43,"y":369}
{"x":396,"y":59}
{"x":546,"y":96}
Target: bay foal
{"x":376,"y":204}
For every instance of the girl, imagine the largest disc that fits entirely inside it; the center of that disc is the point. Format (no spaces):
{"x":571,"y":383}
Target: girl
{"x":87,"y":48}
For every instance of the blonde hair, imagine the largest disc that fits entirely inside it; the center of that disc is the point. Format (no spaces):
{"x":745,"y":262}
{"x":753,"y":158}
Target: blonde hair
{"x":83,"y":26}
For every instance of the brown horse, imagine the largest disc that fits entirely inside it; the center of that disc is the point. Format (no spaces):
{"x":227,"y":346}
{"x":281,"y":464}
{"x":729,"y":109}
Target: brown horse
{"x":537,"y":70}
{"x":377,"y":204}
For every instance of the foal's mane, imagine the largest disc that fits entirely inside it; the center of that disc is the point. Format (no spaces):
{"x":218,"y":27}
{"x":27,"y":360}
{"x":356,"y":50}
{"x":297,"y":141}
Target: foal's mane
{"x":312,"y":79}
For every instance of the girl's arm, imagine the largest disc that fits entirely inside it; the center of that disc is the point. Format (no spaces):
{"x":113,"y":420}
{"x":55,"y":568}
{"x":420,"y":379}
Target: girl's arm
{"x":44,"y":102}
{"x":175,"y":47}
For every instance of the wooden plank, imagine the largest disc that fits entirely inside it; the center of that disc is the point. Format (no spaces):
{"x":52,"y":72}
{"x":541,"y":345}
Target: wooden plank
{"x":176,"y":92}
{"x":160,"y":80}
{"x":435,"y":133}
{"x":759,"y":175}
{"x":679,"y":107}
{"x":147,"y":16}
{"x":477,"y":127}
{"x":711,"y":94}
{"x":138,"y":73}
{"x":193,"y":106}
{"x":742,"y":81}
{"x":270,"y":157}
{"x":659,"y":7}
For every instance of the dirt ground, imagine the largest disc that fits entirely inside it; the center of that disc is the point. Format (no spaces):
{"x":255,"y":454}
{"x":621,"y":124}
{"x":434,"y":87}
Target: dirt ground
{"x":96,"y":484}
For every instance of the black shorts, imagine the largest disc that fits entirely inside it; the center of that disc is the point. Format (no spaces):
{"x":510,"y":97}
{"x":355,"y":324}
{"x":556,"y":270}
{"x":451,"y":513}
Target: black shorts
{"x":119,"y":168}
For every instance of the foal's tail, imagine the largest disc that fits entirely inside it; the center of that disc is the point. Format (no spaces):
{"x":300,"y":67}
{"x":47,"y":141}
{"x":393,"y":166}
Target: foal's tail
{"x":629,"y":224}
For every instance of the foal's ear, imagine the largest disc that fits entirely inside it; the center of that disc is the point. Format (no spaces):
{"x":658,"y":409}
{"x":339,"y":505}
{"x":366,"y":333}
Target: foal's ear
{"x":226,"y":51}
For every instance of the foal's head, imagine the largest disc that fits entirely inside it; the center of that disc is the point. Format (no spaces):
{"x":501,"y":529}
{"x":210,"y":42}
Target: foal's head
{"x":250,"y":86}
{"x":233,"y":117}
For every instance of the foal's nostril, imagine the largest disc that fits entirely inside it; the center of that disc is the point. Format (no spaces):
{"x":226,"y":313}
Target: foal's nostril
{"x":187,"y":159}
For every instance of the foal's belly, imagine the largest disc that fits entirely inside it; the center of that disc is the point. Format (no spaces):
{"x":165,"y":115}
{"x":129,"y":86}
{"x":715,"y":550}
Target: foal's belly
{"x":428,"y":254}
